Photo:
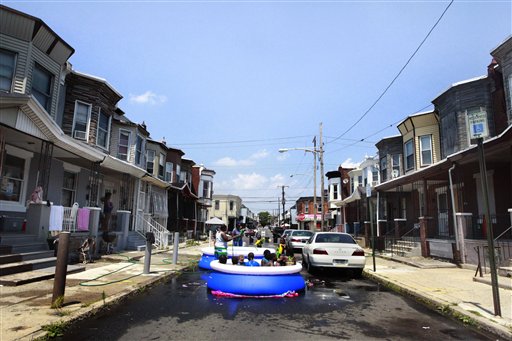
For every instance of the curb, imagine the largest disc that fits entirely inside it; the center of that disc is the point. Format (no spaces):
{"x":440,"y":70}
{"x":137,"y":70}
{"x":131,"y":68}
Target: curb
{"x":100,"y":306}
{"x":443,"y":308}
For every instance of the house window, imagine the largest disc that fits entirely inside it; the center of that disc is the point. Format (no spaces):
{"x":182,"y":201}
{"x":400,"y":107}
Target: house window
{"x":217,"y":205}
{"x":81,"y":120}
{"x":384,"y":169}
{"x":426,"y":149}
{"x":138,"y":150}
{"x":319,"y":207}
{"x":352,"y":185}
{"x":161,"y":165}
{"x":306,"y":207}
{"x":395,"y":160}
{"x":360,"y":180}
{"x":42,"y":86}
{"x":183,"y":176}
{"x":7,"y":65}
{"x":168,"y":171}
{"x":206,"y":189}
{"x":123,"y":145}
{"x":231,"y":205}
{"x":375,"y":175}
{"x":103,"y":133}
{"x":68,"y":189}
{"x":409,"y":155}
{"x":13,"y":177}
{"x":335,"y":191}
{"x":150,"y":158}
{"x":178,"y":173}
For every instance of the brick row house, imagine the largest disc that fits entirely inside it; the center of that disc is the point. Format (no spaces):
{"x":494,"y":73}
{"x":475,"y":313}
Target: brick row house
{"x":64,"y":142}
{"x":430,"y":189}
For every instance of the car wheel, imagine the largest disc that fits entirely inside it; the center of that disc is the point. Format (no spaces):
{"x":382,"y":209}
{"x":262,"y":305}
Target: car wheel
{"x":310,"y":268}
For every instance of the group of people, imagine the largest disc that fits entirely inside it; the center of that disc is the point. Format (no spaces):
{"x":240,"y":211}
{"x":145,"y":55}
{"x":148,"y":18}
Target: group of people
{"x":269,"y":259}
{"x":282,"y":256}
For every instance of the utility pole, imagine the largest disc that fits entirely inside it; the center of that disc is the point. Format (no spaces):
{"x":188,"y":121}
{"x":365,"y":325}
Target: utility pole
{"x":283,"y":201}
{"x":322,"y":177}
{"x":314,"y":185}
{"x":278,"y":212}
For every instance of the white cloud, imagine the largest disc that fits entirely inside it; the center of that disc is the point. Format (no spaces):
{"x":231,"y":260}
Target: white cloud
{"x":348,"y":163}
{"x":282,"y":156}
{"x":249,"y":181}
{"x":251,"y":160}
{"x":149,"y":97}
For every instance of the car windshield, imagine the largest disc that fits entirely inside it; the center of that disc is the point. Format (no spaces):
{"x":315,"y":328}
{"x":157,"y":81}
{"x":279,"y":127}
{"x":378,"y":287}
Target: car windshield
{"x":335,"y":238}
{"x":302,"y":233}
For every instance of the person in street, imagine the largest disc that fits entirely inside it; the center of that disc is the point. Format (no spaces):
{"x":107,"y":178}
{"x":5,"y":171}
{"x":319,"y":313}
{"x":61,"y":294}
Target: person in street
{"x":281,"y":248}
{"x":223,"y":259}
{"x":236,"y":233}
{"x":251,"y":261}
{"x":107,"y":211}
{"x":221,"y":241}
{"x":241,"y":260}
{"x":234,"y":260}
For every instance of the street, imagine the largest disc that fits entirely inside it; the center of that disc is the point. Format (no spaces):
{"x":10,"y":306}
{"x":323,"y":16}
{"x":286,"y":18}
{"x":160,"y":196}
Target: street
{"x":334,"y":307}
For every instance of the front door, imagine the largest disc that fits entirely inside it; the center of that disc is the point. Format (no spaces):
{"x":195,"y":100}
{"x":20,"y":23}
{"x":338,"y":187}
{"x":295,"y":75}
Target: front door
{"x":442,"y":211}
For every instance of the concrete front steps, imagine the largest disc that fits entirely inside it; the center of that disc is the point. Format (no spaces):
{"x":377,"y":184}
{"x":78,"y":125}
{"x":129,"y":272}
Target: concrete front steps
{"x":135,"y":241}
{"x":405,"y":248}
{"x":25,"y":259}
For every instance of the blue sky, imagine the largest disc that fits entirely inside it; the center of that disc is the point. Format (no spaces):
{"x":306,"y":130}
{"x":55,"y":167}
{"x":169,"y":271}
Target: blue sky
{"x":231,"y":82}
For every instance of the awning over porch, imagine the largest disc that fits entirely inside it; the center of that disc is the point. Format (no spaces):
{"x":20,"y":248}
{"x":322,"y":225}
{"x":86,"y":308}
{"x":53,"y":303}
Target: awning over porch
{"x":356,"y":195}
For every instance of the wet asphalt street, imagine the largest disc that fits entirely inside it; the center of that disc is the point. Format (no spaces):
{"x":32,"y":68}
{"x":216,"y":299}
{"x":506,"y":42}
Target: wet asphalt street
{"x":334,"y":307}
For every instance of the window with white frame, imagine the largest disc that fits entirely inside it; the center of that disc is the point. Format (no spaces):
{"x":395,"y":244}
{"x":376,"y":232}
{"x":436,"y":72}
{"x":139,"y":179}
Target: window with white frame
{"x":375,"y":175}
{"x":68,"y":189}
{"x":168,"y":171}
{"x":206,"y":189}
{"x":306,"y":207}
{"x":231,"y":205}
{"x":395,"y":163}
{"x":426,"y":149}
{"x":178,"y":173}
{"x":138,"y":150}
{"x":352,"y":184}
{"x":150,"y":160}
{"x":217,"y":204}
{"x":161,"y":165}
{"x":123,"y":145}
{"x":14,"y":177}
{"x":335,"y":191}
{"x":7,"y":67}
{"x":319,"y":207}
{"x":409,"y":154}
{"x":384,"y":169}
{"x":103,"y":133}
{"x":42,"y":81}
{"x":81,"y":120}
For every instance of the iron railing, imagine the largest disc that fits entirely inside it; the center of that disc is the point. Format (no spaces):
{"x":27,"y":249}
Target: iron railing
{"x":148,"y":224}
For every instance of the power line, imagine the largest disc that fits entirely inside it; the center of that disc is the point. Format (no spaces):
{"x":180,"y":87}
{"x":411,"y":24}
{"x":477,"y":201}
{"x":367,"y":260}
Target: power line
{"x":242,"y":141}
{"x":377,"y":132}
{"x":396,"y":77}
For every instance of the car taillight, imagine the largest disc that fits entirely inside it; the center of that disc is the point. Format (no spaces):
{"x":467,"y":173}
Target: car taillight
{"x":358,"y":253}
{"x":320,"y":252}
{"x":295,"y":240}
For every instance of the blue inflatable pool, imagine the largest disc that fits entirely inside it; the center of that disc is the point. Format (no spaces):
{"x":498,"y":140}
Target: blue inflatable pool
{"x":209,"y":254}
{"x":255,"y":281}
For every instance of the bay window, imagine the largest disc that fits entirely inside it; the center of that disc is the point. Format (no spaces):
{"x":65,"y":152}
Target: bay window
{"x":7,"y":67}
{"x":103,"y":133}
{"x":426,"y":150}
{"x":81,"y":120}
{"x":42,"y":81}
{"x":409,"y":155}
{"x":123,"y":145}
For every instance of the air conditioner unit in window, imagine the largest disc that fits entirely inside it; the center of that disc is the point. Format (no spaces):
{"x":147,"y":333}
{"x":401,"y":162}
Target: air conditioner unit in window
{"x":395,"y":173}
{"x":374,"y":183}
{"x":79,"y":134}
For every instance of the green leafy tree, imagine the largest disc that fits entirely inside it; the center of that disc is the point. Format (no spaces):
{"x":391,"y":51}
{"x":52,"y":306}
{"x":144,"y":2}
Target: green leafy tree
{"x":264,"y":218}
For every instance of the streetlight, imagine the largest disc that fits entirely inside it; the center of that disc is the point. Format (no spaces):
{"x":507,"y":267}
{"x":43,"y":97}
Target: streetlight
{"x":314,"y":151}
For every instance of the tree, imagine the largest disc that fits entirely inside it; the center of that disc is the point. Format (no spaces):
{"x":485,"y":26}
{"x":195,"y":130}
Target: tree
{"x":264,"y":218}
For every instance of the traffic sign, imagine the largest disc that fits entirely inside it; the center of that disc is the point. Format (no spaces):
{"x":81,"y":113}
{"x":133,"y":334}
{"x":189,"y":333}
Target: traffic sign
{"x":477,"y":122}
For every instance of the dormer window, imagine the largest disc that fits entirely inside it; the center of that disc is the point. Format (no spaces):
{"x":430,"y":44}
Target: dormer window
{"x":7,"y":66}
{"x":81,"y":120}
{"x":42,"y":86}
{"x":103,"y":132}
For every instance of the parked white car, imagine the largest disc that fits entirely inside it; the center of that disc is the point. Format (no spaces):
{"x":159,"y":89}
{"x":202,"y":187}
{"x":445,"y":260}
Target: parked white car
{"x":333,"y":250}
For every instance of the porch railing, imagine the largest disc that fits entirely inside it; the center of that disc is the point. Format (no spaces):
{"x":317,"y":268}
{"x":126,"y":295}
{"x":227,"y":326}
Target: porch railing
{"x":148,"y":224}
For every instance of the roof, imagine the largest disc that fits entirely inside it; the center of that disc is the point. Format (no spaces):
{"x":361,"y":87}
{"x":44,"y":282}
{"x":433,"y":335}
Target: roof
{"x":97,"y":79}
{"x":467,"y":81}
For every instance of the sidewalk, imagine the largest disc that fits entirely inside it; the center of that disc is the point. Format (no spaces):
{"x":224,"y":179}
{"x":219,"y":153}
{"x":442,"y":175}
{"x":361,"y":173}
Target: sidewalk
{"x":25,"y":309}
{"x":448,"y":289}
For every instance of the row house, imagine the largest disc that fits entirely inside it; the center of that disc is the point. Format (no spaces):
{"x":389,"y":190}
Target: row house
{"x":64,"y":142}
{"x":226,"y":207}
{"x":202,"y":184}
{"x":306,"y":212}
{"x":338,"y":186}
{"x":437,"y":196}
